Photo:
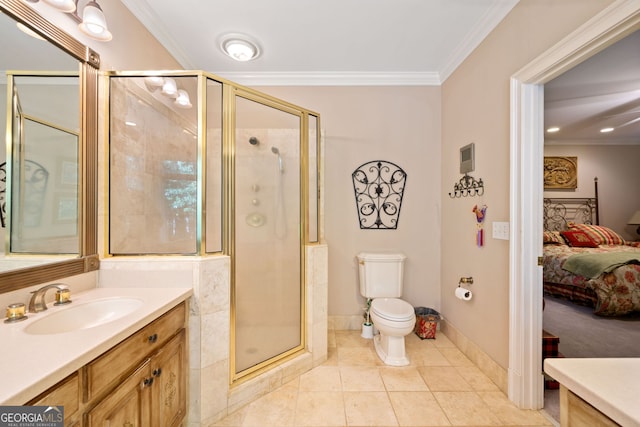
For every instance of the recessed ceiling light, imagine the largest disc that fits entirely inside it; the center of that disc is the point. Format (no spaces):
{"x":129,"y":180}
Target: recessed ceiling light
{"x":605,"y":130}
{"x":240,"y":47}
{"x":553,"y":129}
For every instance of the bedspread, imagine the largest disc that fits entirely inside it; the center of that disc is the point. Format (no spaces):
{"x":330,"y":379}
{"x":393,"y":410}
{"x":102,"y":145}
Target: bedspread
{"x":618,"y":292}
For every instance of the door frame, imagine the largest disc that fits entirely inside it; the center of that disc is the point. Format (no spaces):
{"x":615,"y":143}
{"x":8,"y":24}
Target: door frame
{"x":525,"y":376}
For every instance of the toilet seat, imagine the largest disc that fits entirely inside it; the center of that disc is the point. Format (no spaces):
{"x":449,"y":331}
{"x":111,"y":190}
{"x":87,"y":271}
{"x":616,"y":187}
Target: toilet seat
{"x":393,"y":309}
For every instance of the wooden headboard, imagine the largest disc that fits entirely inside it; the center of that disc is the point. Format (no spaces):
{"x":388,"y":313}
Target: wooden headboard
{"x":559,"y":211}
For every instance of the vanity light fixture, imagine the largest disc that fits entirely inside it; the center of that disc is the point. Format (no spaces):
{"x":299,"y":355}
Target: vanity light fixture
{"x":183,"y":100}
{"x":67,"y":6}
{"x":28,"y":31}
{"x":169,"y":88}
{"x":94,"y":24}
{"x":153,"y":83}
{"x":240,"y":47}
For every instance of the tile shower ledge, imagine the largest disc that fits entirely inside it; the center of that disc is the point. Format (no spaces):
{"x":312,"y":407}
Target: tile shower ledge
{"x":609,"y":384}
{"x":30,"y":364}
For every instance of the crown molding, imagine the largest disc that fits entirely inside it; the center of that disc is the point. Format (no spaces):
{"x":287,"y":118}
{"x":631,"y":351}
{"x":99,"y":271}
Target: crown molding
{"x":477,"y":34}
{"x":332,"y":78}
{"x":144,"y":13}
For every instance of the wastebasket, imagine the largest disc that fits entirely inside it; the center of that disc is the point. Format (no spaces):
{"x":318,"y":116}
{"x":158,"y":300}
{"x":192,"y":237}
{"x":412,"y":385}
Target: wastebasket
{"x":426,"y":322}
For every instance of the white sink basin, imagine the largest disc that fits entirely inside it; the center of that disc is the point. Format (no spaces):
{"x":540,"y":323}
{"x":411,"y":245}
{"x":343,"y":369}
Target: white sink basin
{"x":83,"y":315}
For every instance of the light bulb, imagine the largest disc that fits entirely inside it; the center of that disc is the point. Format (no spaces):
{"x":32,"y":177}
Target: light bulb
{"x":94,"y":23}
{"x":170,"y":88}
{"x":67,"y":6}
{"x":183,"y":100}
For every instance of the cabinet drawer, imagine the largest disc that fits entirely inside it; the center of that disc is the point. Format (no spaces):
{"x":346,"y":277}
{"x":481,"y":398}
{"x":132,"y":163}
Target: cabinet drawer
{"x":109,"y":369}
{"x":66,"y":393}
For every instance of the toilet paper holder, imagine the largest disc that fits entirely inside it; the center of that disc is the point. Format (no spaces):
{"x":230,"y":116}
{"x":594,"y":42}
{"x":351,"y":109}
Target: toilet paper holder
{"x":466,"y":281}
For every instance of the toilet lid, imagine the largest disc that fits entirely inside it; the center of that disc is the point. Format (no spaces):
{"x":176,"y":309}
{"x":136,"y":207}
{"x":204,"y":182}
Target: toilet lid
{"x":392,"y":309}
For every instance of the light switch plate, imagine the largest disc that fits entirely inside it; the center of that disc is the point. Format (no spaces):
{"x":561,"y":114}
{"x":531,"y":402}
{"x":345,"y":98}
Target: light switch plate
{"x":500,"y":230}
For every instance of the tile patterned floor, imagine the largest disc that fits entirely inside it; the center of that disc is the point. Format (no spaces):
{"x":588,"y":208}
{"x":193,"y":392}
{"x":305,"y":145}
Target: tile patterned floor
{"x":441,"y":387}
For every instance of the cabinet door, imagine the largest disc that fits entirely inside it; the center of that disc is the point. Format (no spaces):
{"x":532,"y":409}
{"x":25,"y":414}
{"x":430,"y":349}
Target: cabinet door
{"x":168,"y":391}
{"x":128,"y":405}
{"x":67,"y":394}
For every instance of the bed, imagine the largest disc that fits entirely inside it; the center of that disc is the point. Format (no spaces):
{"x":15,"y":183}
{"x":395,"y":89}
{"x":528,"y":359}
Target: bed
{"x":586,"y":262}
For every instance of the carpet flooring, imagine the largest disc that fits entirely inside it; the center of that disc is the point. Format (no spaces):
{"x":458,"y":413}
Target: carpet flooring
{"x":583,"y":334}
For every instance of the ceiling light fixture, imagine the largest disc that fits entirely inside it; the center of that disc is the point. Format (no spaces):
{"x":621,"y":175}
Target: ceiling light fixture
{"x":240,"y":47}
{"x":553,"y":129}
{"x":606,"y":130}
{"x":94,"y":24}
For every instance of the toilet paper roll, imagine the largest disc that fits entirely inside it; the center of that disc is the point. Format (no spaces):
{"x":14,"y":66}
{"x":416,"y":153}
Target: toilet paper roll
{"x":463,"y":293}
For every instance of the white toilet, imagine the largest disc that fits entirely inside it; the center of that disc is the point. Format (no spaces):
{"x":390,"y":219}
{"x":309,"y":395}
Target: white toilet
{"x":381,"y":277}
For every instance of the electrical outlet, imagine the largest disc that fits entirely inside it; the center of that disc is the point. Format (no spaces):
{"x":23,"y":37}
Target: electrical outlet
{"x":500,"y":230}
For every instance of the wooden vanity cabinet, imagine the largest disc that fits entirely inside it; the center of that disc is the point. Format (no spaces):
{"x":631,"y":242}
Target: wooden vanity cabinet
{"x":169,"y":389}
{"x":127,"y":405}
{"x":66,"y":393}
{"x":575,"y":412}
{"x":142,"y":381}
{"x":154,"y":395}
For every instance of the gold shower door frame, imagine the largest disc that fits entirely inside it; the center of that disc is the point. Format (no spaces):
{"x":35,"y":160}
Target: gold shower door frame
{"x":231,"y":94}
{"x":309,"y":210}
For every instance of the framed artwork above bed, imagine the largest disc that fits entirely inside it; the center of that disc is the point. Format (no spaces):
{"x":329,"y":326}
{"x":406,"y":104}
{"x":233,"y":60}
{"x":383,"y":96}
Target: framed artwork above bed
{"x":560,"y":173}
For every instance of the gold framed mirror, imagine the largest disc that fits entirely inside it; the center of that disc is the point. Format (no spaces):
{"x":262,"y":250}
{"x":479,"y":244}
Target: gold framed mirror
{"x":88,"y":63}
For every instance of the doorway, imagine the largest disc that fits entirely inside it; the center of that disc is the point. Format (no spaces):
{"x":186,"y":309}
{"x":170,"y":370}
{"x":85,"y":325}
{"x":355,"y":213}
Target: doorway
{"x":527,"y":151}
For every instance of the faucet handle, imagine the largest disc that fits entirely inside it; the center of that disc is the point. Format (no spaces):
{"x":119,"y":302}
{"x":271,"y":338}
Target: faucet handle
{"x":63,"y":296}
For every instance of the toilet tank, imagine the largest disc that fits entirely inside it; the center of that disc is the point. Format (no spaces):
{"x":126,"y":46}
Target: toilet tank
{"x":380,"y":274}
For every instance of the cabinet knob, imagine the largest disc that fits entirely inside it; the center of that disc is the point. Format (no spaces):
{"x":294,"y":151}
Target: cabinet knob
{"x":157,"y":372}
{"x":153,"y":338}
{"x":147,"y":382}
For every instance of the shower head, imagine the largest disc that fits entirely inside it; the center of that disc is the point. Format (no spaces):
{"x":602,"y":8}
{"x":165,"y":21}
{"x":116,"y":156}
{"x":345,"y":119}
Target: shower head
{"x":275,"y":151}
{"x":254,"y":141}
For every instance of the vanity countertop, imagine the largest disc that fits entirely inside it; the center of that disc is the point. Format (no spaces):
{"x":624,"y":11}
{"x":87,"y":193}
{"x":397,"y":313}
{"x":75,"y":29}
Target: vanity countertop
{"x":30,"y":364}
{"x":611,"y":385}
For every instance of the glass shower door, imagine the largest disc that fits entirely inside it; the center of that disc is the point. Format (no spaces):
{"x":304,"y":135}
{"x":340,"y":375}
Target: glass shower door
{"x":268,"y":286}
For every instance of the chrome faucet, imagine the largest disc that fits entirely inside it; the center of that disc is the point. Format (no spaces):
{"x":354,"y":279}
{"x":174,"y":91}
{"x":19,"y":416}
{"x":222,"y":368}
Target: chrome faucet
{"x":37,"y":303}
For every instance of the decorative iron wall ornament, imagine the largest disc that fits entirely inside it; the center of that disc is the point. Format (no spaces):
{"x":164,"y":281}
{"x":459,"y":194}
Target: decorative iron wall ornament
{"x":467,"y":186}
{"x":378,"y":187}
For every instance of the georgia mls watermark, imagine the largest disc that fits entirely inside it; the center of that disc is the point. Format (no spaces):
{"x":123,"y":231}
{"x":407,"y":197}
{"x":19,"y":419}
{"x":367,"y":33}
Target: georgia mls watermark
{"x":31,"y":416}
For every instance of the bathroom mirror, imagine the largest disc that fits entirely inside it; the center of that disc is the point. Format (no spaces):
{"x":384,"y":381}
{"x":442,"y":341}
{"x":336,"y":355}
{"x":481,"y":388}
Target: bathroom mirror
{"x":50,"y":87}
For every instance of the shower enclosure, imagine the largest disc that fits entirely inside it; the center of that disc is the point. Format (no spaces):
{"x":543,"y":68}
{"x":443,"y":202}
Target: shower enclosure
{"x":203,"y":167}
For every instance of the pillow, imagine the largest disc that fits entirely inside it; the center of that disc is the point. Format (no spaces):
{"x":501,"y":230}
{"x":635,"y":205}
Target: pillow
{"x":578,"y":239}
{"x":599,"y":234}
{"x":552,"y":238}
